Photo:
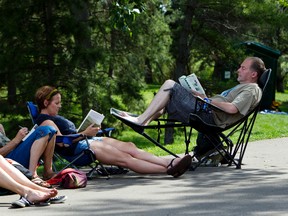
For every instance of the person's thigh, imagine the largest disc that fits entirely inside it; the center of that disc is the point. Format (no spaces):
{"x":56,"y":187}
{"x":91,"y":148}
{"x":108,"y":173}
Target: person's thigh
{"x":22,"y":152}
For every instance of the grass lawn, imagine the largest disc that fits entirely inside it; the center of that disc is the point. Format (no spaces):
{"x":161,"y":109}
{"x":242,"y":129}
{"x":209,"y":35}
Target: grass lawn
{"x":267,"y":126}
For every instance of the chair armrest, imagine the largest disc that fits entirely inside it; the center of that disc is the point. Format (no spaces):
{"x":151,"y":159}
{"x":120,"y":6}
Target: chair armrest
{"x":211,"y":106}
{"x":68,"y":139}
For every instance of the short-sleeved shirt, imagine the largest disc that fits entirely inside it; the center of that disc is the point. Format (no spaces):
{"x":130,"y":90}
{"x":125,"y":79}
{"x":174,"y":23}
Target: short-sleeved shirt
{"x":244,"y":96}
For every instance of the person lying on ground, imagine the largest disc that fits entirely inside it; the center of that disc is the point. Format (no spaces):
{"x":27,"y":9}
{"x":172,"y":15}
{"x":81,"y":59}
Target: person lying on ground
{"x":107,"y":150}
{"x":179,"y":102}
{"x":13,"y":180}
{"x":40,"y":144}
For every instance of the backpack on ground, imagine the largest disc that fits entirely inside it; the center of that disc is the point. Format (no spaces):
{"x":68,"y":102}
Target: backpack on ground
{"x":69,"y":178}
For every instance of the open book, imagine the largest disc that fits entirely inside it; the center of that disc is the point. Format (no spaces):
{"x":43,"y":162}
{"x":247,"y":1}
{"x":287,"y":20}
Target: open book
{"x":191,"y":82}
{"x":30,"y":132}
{"x":92,"y":117}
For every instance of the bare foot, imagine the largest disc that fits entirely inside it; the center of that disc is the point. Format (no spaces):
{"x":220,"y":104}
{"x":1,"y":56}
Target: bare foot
{"x":36,"y":196}
{"x":52,"y":191}
{"x":130,"y":118}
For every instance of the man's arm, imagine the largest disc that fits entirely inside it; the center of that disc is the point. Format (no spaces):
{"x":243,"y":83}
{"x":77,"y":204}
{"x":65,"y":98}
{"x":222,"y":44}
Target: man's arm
{"x":226,"y":106}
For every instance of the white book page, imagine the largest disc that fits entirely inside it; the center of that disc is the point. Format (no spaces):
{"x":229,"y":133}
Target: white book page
{"x":92,"y":117}
{"x":191,"y":82}
{"x":30,"y":132}
{"x":183,"y":82}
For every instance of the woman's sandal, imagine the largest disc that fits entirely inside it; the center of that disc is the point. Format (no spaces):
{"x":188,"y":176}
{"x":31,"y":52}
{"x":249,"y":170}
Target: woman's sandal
{"x":24,"y":202}
{"x":41,"y":182}
{"x":181,"y":167}
{"x":21,"y":203}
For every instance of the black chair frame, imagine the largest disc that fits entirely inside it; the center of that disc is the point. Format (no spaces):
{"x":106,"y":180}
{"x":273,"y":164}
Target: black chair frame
{"x":233,"y":153}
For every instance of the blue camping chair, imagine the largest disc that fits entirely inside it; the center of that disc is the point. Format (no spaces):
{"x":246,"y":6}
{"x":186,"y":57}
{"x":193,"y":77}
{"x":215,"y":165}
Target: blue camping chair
{"x":67,"y":140}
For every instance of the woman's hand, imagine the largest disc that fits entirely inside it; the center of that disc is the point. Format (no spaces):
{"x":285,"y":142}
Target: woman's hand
{"x":21,"y":134}
{"x":91,"y":130}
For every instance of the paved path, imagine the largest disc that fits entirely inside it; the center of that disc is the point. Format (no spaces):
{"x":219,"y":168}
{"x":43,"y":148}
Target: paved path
{"x":259,"y":188}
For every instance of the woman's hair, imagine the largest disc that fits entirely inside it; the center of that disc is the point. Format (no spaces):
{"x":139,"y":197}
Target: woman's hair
{"x":44,"y":93}
{"x":257,"y":65}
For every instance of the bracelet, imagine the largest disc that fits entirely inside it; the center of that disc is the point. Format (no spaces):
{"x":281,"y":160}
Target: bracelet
{"x":207,"y":100}
{"x":205,"y":105}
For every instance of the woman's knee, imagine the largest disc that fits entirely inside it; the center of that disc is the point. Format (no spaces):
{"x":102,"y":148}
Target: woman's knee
{"x":131,"y":145}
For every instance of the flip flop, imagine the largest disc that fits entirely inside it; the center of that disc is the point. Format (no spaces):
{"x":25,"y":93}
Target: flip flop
{"x":21,"y":203}
{"x":41,"y":182}
{"x":57,"y":199}
{"x":181,"y":167}
{"x":24,"y":202}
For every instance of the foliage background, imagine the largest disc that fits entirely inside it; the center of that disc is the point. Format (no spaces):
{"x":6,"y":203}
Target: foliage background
{"x":102,"y":53}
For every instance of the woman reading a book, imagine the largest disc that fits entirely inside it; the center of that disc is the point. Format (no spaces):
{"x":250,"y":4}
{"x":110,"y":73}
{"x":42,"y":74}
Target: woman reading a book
{"x":39,"y":144}
{"x":180,"y":102}
{"x":107,"y":150}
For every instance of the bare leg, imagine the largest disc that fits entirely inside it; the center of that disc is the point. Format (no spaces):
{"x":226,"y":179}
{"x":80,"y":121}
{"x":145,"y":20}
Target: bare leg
{"x":36,"y":151}
{"x":126,"y":154}
{"x":156,"y":106}
{"x":12,"y":179}
{"x":48,"y":158}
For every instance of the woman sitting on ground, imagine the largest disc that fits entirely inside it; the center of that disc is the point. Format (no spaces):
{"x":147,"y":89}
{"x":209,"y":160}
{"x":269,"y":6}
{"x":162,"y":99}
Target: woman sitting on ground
{"x":107,"y":150}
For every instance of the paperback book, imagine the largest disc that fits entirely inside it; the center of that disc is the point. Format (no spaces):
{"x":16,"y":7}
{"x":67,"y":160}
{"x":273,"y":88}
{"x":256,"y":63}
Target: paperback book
{"x":92,"y":117}
{"x":30,"y":132}
{"x":191,"y":82}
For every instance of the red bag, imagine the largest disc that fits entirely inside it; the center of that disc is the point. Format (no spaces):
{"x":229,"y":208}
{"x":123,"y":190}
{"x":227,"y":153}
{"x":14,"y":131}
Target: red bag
{"x":69,"y":178}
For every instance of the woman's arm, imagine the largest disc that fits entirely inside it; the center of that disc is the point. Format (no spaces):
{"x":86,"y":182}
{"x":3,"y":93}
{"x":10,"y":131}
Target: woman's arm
{"x":12,"y":144}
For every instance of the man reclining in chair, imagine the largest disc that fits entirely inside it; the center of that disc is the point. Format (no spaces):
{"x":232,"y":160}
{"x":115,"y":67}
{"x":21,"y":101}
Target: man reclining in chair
{"x":179,"y":102}
{"x":107,"y":150}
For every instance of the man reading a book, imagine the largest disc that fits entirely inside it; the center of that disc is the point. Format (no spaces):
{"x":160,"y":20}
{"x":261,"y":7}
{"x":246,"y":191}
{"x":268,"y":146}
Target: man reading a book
{"x":106,"y":149}
{"x":180,"y":102}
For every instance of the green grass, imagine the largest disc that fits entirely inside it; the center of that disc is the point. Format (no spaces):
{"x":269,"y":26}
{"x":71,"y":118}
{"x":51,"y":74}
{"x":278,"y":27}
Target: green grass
{"x":267,"y":126}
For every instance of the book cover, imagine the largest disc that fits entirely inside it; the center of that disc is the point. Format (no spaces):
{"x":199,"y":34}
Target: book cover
{"x":30,"y":132}
{"x":191,"y":82}
{"x":92,"y":117}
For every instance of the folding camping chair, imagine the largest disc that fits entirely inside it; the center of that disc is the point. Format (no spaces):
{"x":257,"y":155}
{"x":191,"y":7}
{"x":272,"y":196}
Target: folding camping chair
{"x":224,"y":146}
{"x":220,"y":137}
{"x":68,"y":140}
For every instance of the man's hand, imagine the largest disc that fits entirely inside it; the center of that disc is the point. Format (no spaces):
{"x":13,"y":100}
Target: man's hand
{"x":196,"y":94}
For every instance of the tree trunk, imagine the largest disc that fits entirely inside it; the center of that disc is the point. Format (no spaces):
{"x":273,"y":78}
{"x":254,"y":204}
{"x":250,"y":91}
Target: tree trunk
{"x":182,"y":57}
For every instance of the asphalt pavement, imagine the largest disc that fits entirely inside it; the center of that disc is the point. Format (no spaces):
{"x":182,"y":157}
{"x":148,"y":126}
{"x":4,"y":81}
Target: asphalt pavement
{"x":259,"y":188}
